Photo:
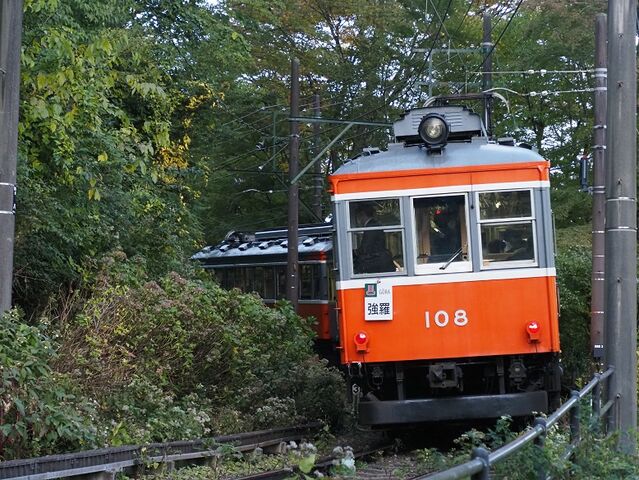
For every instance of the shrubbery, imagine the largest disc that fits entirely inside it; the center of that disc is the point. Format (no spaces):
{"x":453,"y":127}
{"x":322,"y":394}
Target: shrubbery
{"x":168,"y":359}
{"x":40,"y":412}
{"x":574,"y":266}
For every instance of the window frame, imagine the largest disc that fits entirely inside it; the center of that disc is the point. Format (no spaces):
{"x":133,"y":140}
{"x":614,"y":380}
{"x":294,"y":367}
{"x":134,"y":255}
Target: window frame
{"x":435,"y":268}
{"x":532,"y":220}
{"x":401,"y":228}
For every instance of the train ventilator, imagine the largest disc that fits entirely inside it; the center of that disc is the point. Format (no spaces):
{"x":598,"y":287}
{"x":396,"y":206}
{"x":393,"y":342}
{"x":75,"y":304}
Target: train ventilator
{"x":446,"y":288}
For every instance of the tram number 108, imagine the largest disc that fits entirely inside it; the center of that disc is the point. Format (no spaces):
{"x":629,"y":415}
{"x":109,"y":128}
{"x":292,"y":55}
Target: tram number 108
{"x":442,"y":318}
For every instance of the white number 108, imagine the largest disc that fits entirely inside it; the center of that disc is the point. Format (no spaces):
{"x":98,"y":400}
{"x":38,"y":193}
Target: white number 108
{"x":441,"y":318}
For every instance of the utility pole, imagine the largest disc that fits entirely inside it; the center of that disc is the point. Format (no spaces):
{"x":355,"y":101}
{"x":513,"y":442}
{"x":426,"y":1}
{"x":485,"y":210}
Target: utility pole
{"x":293,"y":190}
{"x":599,"y":190}
{"x":10,"y":41}
{"x":621,"y":223}
{"x":317,"y":169}
{"x":487,"y":77}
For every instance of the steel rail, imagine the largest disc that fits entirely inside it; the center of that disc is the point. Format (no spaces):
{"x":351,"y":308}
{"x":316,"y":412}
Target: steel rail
{"x":482,"y":460}
{"x":106,"y":462}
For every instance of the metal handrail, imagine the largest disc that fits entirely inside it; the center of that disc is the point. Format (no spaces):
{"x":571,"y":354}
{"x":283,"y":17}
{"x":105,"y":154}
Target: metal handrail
{"x":478,"y":467}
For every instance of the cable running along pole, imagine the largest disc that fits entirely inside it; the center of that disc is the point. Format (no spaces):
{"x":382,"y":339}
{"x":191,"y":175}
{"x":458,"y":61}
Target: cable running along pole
{"x":621,"y":222}
{"x":487,"y":77}
{"x":10,"y":40}
{"x":598,"y":190}
{"x":318,"y":183}
{"x":293,"y":190}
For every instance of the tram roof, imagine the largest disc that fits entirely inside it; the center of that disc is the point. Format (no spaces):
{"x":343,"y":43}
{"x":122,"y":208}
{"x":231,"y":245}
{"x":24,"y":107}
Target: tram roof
{"x":266,"y":243}
{"x":463,"y":154}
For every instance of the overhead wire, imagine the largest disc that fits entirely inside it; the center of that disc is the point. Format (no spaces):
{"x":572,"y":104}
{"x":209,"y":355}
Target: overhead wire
{"x":537,"y":72}
{"x":494,"y":45}
{"x":543,"y":93}
{"x":411,"y":82}
{"x":438,"y":16}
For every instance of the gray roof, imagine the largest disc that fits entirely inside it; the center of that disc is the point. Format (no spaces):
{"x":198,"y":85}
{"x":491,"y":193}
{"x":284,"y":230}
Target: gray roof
{"x":266,"y":246}
{"x":462,"y":154}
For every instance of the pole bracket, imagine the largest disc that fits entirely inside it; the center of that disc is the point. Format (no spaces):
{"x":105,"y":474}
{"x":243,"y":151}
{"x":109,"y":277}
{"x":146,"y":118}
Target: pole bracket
{"x":10,"y":196}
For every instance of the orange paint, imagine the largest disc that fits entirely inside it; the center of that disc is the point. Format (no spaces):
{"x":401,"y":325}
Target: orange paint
{"x":321,"y":313}
{"x":498,"y":312}
{"x":438,"y":177}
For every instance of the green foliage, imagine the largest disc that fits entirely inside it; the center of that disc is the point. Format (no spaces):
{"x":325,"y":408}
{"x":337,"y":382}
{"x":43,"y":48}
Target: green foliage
{"x":599,"y":458}
{"x":40,"y":413}
{"x":594,"y":457}
{"x":104,"y":145}
{"x":574,"y":265}
{"x":141,"y":412}
{"x":156,"y":353}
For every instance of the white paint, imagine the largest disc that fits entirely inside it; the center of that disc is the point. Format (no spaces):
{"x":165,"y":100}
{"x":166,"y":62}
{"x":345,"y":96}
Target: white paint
{"x":502,"y":274}
{"x":480,"y":187}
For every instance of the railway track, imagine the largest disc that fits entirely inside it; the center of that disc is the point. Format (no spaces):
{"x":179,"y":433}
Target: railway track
{"x":377,"y":458}
{"x":104,"y":464}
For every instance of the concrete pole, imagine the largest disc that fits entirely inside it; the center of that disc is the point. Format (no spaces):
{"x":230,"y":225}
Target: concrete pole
{"x":599,"y":190}
{"x":318,"y":184}
{"x":10,"y":41}
{"x":487,"y":76}
{"x":293,"y":190}
{"x":621,"y":222}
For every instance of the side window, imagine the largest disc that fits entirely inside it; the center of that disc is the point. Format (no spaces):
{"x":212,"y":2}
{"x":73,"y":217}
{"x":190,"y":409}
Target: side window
{"x":259,"y":278}
{"x":269,"y":283}
{"x":441,"y":234}
{"x":280,"y":276}
{"x":310,"y":281}
{"x":377,"y":237}
{"x":507,"y":228}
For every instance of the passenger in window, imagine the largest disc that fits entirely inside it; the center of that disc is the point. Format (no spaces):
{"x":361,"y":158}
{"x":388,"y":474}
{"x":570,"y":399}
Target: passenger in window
{"x":497,"y":246}
{"x":372,"y":255}
{"x":519,"y":248}
{"x":446,"y":238}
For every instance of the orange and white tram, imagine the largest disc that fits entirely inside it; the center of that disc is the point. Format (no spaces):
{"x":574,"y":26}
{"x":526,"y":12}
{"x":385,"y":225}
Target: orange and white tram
{"x":446,"y":289}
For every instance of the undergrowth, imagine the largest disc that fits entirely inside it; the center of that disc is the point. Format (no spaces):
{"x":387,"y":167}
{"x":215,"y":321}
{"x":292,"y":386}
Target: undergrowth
{"x":594,"y":458}
{"x":137,"y":359}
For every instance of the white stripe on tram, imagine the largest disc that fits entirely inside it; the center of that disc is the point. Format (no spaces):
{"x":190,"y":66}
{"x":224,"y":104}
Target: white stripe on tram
{"x":505,"y":274}
{"x":478,"y":187}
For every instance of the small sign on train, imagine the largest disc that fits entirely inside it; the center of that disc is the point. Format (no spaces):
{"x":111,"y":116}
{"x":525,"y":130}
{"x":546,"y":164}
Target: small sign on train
{"x":378,"y":301}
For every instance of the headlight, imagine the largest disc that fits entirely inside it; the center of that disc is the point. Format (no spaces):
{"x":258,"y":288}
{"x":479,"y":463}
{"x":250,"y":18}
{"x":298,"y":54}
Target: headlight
{"x":433,"y":130}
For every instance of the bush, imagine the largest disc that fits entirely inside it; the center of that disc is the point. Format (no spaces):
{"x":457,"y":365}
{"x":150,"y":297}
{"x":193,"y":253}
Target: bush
{"x":147,"y":345}
{"x":574,"y":267}
{"x":141,"y":412}
{"x":40,"y":413}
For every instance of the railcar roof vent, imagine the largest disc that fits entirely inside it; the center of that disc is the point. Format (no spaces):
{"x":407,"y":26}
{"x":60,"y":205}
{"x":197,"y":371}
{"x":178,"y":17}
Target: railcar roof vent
{"x":309,"y":241}
{"x":463,"y":123}
{"x":368,"y":151}
{"x":508,"y":141}
{"x":244,"y":246}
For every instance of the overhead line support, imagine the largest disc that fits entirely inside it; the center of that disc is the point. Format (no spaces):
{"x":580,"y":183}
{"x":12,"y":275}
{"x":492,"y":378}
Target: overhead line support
{"x":621,"y":222}
{"x":10,"y":41}
{"x":292,"y":263}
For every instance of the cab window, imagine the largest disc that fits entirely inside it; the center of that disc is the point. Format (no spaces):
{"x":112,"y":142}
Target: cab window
{"x":376,"y":232}
{"x":507,"y":228}
{"x":441,"y":234}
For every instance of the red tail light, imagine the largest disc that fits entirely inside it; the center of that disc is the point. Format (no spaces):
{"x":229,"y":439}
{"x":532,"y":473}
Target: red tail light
{"x":534,"y":329}
{"x":361,"y":341}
